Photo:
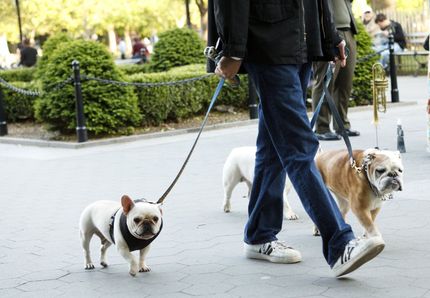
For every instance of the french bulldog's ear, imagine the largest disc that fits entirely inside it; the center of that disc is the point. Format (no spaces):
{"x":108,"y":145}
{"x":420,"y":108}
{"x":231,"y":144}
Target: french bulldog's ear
{"x":127,"y":204}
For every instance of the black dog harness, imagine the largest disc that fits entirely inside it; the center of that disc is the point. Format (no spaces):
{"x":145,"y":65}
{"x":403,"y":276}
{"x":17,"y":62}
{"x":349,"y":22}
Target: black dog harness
{"x":133,"y":243}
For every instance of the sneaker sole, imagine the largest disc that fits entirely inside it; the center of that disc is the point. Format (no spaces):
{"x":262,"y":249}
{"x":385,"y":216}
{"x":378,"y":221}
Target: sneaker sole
{"x":259,"y":256}
{"x":361,"y":259}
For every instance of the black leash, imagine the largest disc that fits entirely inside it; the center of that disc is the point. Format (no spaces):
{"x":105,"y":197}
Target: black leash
{"x":326,"y":96}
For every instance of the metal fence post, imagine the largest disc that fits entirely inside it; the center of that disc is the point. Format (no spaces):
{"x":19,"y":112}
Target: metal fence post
{"x":81,"y":130}
{"x":252,"y":100}
{"x":3,"y":123}
{"x":393,"y":71}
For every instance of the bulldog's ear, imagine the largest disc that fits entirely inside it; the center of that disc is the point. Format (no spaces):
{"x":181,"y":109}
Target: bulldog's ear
{"x":127,"y":204}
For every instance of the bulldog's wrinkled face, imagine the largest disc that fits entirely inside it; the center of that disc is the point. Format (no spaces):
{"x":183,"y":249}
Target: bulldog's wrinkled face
{"x":143,"y":218}
{"x":386,"y":171}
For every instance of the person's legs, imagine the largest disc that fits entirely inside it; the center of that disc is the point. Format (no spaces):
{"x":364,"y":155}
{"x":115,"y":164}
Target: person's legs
{"x":286,"y":142}
{"x":342,"y":85}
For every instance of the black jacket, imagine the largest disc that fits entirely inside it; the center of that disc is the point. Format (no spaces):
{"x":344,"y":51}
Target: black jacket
{"x":273,"y":31}
{"x":398,"y":34}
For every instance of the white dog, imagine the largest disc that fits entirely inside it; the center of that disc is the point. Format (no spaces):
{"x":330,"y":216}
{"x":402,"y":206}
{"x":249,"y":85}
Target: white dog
{"x":131,"y":225}
{"x":239,"y":167}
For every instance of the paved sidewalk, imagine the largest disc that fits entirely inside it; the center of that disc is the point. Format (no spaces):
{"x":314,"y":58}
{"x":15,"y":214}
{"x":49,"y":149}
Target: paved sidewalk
{"x":199,"y":252}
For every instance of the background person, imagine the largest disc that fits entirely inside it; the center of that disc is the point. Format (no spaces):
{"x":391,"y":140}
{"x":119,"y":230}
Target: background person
{"x":341,"y":83}
{"x":28,"y":54}
{"x":389,"y":27}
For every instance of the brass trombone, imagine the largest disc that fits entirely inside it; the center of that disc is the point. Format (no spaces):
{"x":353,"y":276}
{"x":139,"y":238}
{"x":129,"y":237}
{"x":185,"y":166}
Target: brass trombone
{"x":380,"y":85}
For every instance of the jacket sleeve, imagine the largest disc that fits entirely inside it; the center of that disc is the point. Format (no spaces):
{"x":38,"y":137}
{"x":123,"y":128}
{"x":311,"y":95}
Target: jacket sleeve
{"x":399,"y":36}
{"x":231,"y":19}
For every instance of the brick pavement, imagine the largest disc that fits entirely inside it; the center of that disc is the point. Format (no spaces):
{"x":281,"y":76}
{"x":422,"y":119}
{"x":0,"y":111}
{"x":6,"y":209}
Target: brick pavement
{"x":199,"y":252}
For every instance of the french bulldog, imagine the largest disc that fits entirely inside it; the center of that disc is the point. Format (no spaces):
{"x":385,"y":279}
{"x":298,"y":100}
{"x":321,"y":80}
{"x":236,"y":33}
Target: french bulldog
{"x":239,"y":167}
{"x":381,"y":175}
{"x":131,"y":225}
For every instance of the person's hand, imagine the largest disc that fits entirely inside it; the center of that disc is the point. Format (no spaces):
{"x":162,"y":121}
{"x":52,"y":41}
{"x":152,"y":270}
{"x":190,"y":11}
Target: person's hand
{"x":342,"y":56}
{"x":228,"y":68}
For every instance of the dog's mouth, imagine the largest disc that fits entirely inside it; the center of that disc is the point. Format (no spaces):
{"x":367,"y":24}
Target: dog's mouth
{"x":145,"y":235}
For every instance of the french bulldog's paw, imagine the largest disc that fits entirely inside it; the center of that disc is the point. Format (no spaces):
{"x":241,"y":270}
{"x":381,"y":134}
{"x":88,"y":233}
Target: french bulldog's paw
{"x":227,"y":207}
{"x":89,"y":266}
{"x":145,"y":269}
{"x":133,"y":270}
{"x":104,"y":264}
{"x":290,"y":215}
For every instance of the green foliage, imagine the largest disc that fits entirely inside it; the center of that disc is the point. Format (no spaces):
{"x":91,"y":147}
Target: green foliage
{"x":49,"y":47}
{"x":362,"y":83}
{"x":177,"y":47}
{"x":129,"y":69}
{"x":108,"y":108}
{"x":26,"y":74}
{"x":18,"y":106}
{"x":172,"y":103}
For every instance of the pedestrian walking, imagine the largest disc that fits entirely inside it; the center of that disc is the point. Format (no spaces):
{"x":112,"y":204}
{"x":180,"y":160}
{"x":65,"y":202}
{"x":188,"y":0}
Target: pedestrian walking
{"x":269,"y":41}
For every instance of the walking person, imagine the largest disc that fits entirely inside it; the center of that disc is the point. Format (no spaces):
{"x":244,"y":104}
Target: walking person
{"x":341,"y":84}
{"x":269,"y":41}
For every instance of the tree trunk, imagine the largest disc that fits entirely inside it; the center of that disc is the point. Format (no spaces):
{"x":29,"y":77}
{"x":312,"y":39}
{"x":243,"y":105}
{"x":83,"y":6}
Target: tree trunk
{"x":203,"y":9}
{"x":128,"y":43}
{"x":112,"y":39}
{"x":187,"y":12}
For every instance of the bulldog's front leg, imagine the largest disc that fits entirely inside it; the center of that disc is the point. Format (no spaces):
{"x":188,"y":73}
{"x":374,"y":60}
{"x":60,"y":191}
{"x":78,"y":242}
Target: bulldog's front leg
{"x":128,"y":256}
{"x":142,"y":264}
{"x":365,"y":218}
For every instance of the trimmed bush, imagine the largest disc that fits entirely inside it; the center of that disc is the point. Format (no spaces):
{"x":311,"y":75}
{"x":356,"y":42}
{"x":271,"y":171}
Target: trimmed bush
{"x":18,"y":106}
{"x":177,"y":47}
{"x":48,"y":48}
{"x":18,"y":74}
{"x":108,"y":109}
{"x":172,"y":103}
{"x":362,"y":83}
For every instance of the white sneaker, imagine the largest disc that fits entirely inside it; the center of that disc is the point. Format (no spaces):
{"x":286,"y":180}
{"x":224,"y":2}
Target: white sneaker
{"x":357,"y":252}
{"x":275,"y":251}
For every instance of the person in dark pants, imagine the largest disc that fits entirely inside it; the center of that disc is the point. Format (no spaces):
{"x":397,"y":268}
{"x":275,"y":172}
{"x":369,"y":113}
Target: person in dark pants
{"x":28,"y":54}
{"x":341,"y":84}
{"x":269,"y":41}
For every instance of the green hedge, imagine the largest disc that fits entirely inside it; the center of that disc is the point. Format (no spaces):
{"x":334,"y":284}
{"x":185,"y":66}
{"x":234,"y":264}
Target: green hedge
{"x":18,"y":106}
{"x":129,"y":69}
{"x":18,"y":74}
{"x":171,"y":103}
{"x":177,"y":47}
{"x":109,"y":109}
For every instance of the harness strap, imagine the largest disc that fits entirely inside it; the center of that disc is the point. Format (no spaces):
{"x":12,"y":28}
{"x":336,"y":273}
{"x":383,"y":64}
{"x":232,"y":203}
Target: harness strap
{"x":111,"y":225}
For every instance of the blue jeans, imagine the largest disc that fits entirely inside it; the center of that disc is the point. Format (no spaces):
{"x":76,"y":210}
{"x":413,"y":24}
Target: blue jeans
{"x":385,"y":55}
{"x":286,"y":144}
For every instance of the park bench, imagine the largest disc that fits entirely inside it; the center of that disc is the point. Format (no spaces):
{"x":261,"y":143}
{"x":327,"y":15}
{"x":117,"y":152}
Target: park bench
{"x":414,"y":49}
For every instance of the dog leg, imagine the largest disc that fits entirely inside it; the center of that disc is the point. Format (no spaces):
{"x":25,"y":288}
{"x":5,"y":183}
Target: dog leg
{"x":103,"y":249}
{"x":229,"y":185}
{"x":142,"y":264}
{"x":288,"y":211}
{"x":365,"y":218}
{"x":128,"y":256}
{"x":86,"y":239}
{"x":343,"y":206}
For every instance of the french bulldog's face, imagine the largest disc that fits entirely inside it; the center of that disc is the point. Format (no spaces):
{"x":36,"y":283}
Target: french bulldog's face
{"x":386,"y":171}
{"x":143,"y":218}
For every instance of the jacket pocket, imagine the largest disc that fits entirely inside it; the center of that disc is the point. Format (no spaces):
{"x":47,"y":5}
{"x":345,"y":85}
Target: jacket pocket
{"x":273,"y":11}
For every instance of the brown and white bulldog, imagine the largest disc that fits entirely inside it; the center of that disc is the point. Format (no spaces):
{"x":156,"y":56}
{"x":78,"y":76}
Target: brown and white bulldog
{"x":381,"y":174}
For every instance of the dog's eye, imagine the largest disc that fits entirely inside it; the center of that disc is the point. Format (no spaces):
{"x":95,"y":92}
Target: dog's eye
{"x":380,"y":171}
{"x":400,"y":171}
{"x":155,"y":218}
{"x":136,"y":220}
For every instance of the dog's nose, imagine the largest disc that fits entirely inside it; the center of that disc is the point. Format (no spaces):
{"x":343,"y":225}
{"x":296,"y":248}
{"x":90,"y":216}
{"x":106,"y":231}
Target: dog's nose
{"x":146,"y":227}
{"x":392,"y":174}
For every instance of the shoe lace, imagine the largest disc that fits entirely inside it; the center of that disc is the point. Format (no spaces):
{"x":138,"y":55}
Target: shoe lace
{"x":278,"y":244}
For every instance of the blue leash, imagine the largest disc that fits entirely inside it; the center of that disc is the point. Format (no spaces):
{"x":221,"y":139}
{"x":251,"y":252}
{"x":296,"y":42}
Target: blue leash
{"x":214,"y":98}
